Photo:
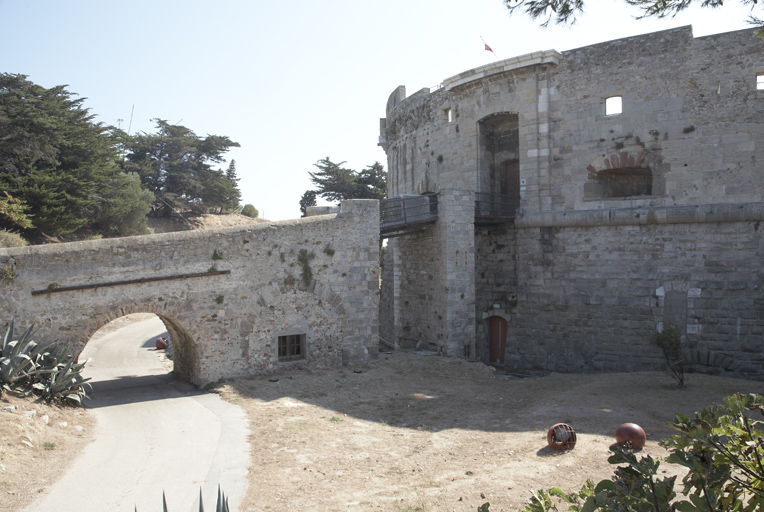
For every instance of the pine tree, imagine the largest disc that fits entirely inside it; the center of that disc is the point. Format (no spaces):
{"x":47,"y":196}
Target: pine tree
{"x":307,"y":199}
{"x":53,"y":157}
{"x":335,"y":183}
{"x":176,"y":165}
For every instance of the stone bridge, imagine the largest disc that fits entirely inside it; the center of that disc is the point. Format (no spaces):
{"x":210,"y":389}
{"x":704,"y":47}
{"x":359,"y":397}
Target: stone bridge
{"x":236,"y":301}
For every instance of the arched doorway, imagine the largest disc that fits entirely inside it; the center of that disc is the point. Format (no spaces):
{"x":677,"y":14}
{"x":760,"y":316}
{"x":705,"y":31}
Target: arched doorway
{"x":498,"y":154}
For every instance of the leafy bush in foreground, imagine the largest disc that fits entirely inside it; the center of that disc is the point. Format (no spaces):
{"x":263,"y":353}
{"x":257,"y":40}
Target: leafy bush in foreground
{"x":722,"y":448}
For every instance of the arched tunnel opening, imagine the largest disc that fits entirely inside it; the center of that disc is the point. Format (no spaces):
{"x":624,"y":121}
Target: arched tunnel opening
{"x":126,"y":347}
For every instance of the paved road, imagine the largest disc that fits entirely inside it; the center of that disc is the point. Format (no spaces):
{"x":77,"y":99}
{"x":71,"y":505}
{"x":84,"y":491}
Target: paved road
{"x":154,"y":433}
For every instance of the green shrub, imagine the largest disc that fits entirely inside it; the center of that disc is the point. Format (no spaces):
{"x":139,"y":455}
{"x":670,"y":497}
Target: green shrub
{"x":670,"y":342}
{"x":11,"y":239}
{"x":250,"y":211}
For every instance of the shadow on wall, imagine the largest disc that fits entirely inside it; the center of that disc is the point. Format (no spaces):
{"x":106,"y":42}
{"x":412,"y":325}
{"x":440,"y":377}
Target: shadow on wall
{"x":185,"y":351}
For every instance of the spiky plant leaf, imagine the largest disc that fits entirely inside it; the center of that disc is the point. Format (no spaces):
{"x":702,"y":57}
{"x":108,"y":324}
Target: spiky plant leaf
{"x":222,"y":503}
{"x":7,"y":338}
{"x":13,"y":347}
{"x":15,"y":367}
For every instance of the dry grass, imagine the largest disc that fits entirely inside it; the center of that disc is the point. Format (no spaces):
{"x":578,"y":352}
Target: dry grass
{"x":424,"y":433}
{"x":37,"y":443}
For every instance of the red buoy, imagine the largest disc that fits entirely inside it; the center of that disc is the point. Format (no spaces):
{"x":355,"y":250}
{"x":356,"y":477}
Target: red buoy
{"x":630,"y":436}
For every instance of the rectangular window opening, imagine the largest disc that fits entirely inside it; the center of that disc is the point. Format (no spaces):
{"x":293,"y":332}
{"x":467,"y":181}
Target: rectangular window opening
{"x":613,"y":105}
{"x":447,"y":114}
{"x":292,"y":347}
{"x":760,"y":81}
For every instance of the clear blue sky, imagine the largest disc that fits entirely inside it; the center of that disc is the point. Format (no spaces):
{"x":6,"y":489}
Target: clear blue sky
{"x":292,"y":82}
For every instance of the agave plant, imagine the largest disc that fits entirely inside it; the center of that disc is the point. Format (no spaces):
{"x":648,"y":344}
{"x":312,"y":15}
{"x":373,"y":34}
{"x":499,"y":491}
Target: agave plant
{"x":46,"y":369}
{"x":18,"y":358}
{"x":222,"y":503}
{"x":64,"y":382}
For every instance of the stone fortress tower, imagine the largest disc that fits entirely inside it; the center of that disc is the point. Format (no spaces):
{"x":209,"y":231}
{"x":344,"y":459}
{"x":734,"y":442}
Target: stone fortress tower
{"x":550,"y":212}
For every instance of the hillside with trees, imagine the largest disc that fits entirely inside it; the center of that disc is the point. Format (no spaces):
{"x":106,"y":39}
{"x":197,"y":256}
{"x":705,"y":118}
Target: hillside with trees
{"x":64,"y":174}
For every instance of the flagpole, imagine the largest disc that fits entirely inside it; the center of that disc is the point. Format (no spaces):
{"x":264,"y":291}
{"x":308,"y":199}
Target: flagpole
{"x":489,"y":48}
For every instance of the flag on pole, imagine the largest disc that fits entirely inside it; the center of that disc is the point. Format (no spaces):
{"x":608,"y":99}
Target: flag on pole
{"x":488,"y":48}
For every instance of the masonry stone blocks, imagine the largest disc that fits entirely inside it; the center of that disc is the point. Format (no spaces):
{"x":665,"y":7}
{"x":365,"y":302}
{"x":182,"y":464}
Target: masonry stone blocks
{"x":628,"y":219}
{"x":226,"y":296}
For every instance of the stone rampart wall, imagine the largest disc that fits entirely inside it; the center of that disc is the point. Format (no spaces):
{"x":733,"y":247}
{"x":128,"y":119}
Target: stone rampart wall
{"x":249,"y":289}
{"x":591,"y":298}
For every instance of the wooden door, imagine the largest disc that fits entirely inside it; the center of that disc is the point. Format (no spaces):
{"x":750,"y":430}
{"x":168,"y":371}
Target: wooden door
{"x":497,"y":328}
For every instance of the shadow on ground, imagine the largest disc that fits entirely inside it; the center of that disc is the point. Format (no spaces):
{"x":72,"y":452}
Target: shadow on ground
{"x":436,"y":393}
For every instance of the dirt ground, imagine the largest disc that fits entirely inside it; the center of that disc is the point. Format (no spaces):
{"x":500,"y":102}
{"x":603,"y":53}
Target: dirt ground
{"x":417,"y":432}
{"x":410,"y":432}
{"x":37,"y":443}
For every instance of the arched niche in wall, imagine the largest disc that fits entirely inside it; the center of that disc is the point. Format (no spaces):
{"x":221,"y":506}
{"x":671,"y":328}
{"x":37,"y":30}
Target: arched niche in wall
{"x":627,"y":173}
{"x":499,"y":154}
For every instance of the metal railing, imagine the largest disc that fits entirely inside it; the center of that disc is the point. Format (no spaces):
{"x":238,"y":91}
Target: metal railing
{"x":406,"y":211}
{"x":495,"y":206}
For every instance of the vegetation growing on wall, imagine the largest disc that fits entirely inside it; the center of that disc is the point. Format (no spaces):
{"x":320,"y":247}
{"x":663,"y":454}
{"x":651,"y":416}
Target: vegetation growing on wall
{"x":7,"y":272}
{"x":304,"y":258}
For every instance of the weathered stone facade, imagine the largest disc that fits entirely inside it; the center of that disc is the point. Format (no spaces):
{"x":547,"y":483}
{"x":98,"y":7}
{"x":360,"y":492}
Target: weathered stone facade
{"x":628,"y":220}
{"x":226,"y":296}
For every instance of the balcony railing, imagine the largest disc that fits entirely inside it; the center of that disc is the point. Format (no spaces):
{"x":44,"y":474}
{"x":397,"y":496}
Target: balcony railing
{"x":495,"y":207}
{"x":407,"y":211}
